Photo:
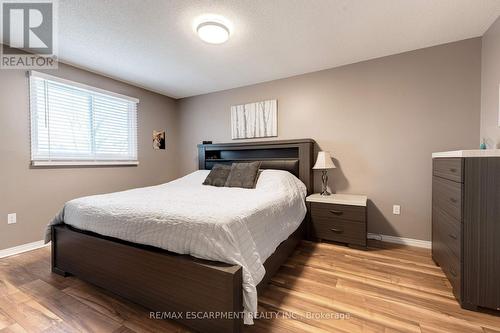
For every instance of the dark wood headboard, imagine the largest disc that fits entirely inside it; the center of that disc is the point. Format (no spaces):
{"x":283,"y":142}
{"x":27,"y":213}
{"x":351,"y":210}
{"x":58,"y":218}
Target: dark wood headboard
{"x":295,"y":156}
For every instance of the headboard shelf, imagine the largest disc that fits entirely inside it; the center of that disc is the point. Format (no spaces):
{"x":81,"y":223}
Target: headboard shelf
{"x":250,"y":159}
{"x":258,"y":143}
{"x":295,"y":156}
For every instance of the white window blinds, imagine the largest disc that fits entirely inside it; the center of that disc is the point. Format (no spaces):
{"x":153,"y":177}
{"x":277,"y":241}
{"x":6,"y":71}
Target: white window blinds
{"x":74,"y":124}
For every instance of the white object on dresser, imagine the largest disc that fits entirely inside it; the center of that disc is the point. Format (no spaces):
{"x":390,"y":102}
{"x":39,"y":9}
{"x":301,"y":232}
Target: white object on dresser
{"x":339,"y":199}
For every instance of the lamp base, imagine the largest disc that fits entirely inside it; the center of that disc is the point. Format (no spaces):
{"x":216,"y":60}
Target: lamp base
{"x":324,"y":185}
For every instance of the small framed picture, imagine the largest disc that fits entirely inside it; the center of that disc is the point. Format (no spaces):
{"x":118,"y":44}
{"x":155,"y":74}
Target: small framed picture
{"x":158,"y":140}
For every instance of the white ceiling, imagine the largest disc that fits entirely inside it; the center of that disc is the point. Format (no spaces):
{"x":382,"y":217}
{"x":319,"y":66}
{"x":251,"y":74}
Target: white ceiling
{"x":151,"y":43}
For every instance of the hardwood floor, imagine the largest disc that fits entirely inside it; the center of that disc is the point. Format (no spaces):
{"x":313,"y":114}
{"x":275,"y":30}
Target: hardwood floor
{"x":322,"y":288}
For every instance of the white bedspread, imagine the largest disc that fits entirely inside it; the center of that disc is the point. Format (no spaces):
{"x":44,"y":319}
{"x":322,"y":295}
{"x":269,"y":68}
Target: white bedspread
{"x":232,"y":225}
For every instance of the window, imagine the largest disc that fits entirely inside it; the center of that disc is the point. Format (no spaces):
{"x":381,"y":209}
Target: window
{"x":74,"y":124}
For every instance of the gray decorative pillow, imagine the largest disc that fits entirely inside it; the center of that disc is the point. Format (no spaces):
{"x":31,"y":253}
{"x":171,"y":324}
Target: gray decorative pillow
{"x":218,"y":175}
{"x":243,"y":175}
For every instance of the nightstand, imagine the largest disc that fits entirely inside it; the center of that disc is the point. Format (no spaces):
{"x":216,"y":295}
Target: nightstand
{"x":338,"y":217}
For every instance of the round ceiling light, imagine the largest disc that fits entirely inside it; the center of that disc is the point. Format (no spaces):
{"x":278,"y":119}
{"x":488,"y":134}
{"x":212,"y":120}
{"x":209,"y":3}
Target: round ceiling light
{"x":213,"y":32}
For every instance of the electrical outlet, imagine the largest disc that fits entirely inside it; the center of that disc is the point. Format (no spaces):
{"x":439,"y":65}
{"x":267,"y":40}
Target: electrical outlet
{"x":11,"y":218}
{"x":396,"y":209}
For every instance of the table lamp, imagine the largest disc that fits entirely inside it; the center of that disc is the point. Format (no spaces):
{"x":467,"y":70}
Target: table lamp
{"x":323,"y":163}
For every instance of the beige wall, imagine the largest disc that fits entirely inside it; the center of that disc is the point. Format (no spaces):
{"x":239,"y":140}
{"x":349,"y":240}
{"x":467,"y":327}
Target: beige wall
{"x":381,"y":119}
{"x":490,"y":81}
{"x":36,"y":195}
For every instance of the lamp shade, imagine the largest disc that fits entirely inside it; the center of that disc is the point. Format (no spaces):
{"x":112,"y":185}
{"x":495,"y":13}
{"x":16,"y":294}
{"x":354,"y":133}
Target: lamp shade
{"x":324,"y":161}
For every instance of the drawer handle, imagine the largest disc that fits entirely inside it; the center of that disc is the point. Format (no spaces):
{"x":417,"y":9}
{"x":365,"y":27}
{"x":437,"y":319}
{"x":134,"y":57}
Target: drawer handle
{"x":452,"y":272}
{"x":453,"y":170}
{"x":339,"y":231}
{"x":452,"y":236}
{"x":336,"y":212}
{"x":453,"y":200}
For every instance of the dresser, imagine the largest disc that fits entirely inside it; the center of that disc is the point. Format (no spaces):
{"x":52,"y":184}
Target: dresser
{"x":338,"y":217}
{"x":466,"y":224}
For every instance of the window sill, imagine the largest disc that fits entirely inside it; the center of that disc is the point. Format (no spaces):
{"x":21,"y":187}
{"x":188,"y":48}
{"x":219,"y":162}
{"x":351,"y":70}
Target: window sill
{"x":82,"y":163}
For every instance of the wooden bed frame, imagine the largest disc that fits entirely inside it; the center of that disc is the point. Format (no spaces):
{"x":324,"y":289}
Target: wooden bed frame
{"x":168,"y":282}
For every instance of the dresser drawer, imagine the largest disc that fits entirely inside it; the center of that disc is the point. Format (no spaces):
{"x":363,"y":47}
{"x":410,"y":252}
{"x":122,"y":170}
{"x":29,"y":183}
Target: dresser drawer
{"x":448,"y":262}
{"x":344,"y":212}
{"x":339,"y":230}
{"x":449,"y":168}
{"x":452,"y":271}
{"x":447,"y":231}
{"x":447,"y":195}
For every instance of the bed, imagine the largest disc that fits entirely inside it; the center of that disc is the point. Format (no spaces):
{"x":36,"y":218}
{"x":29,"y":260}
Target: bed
{"x":184,"y":263}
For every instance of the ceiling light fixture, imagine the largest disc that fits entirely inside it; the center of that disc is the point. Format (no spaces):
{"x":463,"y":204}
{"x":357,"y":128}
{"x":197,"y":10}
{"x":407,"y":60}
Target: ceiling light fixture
{"x":213,"y":32}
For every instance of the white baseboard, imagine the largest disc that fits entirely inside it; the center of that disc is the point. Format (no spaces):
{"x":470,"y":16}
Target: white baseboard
{"x":21,"y":248}
{"x":384,"y":238}
{"x":401,"y":240}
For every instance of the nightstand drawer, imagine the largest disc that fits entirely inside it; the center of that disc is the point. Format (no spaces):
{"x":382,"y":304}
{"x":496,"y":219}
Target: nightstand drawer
{"x":339,"y":230}
{"x":344,"y":212}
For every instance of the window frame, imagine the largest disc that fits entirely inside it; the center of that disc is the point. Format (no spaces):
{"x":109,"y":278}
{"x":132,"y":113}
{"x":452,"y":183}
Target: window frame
{"x":76,"y":162}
